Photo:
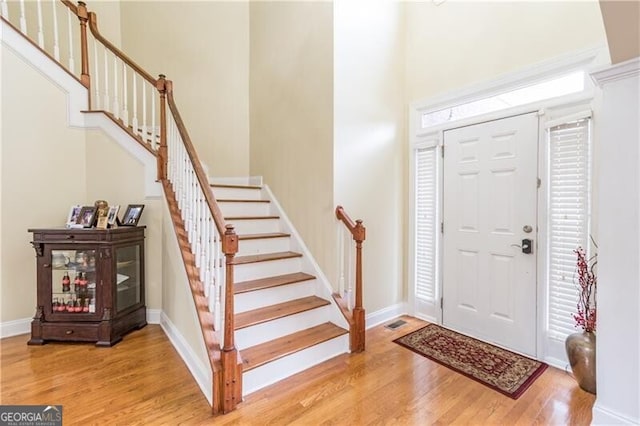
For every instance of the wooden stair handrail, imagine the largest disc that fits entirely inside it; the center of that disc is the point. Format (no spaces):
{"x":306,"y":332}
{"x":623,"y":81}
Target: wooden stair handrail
{"x":356,"y":316}
{"x":216,"y":213}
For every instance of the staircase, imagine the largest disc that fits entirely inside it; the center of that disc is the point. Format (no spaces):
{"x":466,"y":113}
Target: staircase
{"x":281,"y":325}
{"x":265,"y":309}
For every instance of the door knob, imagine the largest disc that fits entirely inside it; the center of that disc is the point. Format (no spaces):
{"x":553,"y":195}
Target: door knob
{"x":527,"y":229}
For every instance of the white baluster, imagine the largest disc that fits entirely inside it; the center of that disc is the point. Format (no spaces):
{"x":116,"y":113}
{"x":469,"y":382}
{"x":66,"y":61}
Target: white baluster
{"x":96,"y":76}
{"x":134,"y":121}
{"x":56,"y":46}
{"x":40,"y":33}
{"x":23,"y":19}
{"x":144,"y":110}
{"x":72,"y":64}
{"x":116,"y":106}
{"x":154,"y":143}
{"x":105,"y":99}
{"x":4,"y":9}
{"x":350,"y":274}
{"x":341,"y":286}
{"x":125,"y":95}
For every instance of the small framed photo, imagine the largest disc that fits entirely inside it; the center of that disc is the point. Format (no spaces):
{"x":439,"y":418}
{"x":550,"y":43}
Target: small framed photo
{"x":132,"y":214}
{"x":112,"y":216}
{"x":87,"y":216}
{"x":72,"y":217}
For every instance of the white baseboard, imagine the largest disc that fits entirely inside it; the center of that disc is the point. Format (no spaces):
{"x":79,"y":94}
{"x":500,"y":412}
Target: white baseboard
{"x":605,"y":416}
{"x":154,"y":316}
{"x":15,"y":327}
{"x":201,"y":373}
{"x":557,"y":363}
{"x":385,"y":314}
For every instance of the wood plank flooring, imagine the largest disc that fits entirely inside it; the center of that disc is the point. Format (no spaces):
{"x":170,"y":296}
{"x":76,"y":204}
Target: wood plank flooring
{"x":142,"y":381}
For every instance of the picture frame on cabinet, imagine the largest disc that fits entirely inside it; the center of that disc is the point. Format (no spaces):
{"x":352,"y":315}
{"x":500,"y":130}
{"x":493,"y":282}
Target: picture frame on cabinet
{"x":72,"y":217}
{"x":132,"y":215}
{"x":87,"y":216}
{"x":112,"y":215}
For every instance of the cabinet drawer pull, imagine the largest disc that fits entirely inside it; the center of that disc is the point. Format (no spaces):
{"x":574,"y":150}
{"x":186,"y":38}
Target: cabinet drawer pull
{"x":70,"y":237}
{"x":46,"y":265}
{"x":68,"y":332}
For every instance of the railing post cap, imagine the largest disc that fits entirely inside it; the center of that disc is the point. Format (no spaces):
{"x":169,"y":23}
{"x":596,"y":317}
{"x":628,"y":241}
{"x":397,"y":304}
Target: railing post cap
{"x":162,"y":76}
{"x":81,"y":3}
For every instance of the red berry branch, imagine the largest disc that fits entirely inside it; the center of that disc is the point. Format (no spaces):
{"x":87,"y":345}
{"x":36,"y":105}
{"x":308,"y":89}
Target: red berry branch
{"x":587,"y":284}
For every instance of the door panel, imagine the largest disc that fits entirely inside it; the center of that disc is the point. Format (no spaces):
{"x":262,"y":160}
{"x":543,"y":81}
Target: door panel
{"x":490,"y":192}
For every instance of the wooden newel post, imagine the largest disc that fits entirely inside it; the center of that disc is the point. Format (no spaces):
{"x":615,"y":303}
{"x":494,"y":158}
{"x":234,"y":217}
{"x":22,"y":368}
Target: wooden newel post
{"x":162,"y":84}
{"x":358,"y":336}
{"x":231,"y":369}
{"x":83,"y":16}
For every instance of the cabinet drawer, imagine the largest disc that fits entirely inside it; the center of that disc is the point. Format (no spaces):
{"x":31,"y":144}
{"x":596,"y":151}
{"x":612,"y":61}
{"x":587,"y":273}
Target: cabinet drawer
{"x":70,"y":331}
{"x":68,"y":237}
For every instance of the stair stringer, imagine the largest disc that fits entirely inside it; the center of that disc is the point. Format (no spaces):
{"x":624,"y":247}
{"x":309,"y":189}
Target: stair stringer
{"x":323,"y":287}
{"x":77,"y":102}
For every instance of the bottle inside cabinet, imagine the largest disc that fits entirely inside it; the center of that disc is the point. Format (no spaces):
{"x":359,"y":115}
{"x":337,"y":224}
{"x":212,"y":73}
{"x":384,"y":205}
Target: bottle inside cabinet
{"x":73,"y":281}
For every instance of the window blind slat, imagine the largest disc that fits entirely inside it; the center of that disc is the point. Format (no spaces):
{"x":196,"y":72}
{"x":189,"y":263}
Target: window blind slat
{"x":568,"y":219}
{"x":426,"y":181}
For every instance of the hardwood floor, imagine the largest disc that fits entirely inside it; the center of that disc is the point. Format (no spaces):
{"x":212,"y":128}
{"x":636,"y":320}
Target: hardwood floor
{"x":142,"y":380}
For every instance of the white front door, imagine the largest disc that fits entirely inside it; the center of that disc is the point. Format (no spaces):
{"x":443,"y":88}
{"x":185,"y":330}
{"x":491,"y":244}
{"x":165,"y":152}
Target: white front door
{"x":490,"y":192}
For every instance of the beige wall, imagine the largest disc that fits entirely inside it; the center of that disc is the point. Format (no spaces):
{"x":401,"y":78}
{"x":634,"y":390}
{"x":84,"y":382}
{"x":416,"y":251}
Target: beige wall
{"x":43,"y":174}
{"x":48,"y":167}
{"x":457,"y":44}
{"x":291,"y":92}
{"x":369,"y":139}
{"x":204,"y":48}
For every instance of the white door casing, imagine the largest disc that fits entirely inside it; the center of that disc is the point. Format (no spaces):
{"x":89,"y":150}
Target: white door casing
{"x":490,"y":195}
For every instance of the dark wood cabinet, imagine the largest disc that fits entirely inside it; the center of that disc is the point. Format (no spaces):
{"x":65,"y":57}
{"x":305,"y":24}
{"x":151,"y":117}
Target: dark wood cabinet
{"x":90,"y":284}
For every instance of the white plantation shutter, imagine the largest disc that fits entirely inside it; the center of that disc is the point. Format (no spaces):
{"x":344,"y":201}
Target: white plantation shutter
{"x":426,"y":227}
{"x":568,"y":203}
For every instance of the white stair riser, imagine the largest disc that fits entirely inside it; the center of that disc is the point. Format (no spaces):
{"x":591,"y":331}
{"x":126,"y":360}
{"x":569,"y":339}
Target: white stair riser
{"x":253,"y":271}
{"x":255,"y":226}
{"x":237,"y":193}
{"x":267,"y":331}
{"x":245,"y":209}
{"x":272,"y":372}
{"x":273,"y":295}
{"x":263,"y":245}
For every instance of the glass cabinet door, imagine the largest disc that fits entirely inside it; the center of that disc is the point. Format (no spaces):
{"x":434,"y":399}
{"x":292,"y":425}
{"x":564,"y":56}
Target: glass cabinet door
{"x":73,"y":281}
{"x":128,"y":277}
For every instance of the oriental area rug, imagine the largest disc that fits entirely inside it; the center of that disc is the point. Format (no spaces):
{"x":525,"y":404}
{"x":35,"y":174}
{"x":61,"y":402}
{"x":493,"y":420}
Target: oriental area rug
{"x":501,"y":370}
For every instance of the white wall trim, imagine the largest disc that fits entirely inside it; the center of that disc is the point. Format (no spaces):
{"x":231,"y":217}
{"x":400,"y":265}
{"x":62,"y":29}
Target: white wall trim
{"x":201,"y":373}
{"x":385,"y":314}
{"x":604,"y":416}
{"x":15,"y":327}
{"x":153,"y":316}
{"x":616,"y":72}
{"x":583,"y":58}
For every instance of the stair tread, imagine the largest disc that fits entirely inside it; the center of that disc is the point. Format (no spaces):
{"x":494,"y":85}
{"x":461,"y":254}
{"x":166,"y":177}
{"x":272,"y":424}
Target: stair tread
{"x":262,"y":236}
{"x":251,"y":217}
{"x":227,"y":185}
{"x":236,"y":200}
{"x":275,"y":281}
{"x":254,"y":258}
{"x":263,"y":353}
{"x":280,"y":310}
